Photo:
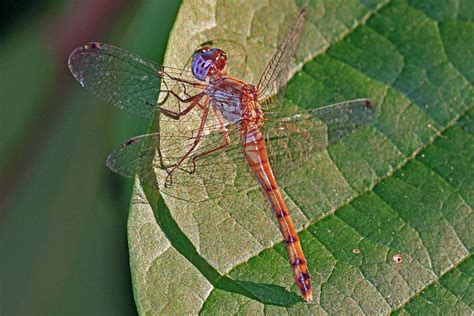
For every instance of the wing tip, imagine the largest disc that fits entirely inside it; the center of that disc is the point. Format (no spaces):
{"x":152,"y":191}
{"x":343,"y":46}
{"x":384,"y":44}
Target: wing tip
{"x":74,"y":59}
{"x":111,"y":161}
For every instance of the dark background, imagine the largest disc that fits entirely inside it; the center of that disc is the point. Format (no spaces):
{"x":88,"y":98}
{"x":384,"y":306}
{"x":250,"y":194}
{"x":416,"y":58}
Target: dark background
{"x":63,"y":214}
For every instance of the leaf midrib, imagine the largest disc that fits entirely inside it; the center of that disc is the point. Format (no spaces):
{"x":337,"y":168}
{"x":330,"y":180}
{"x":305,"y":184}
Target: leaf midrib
{"x":340,"y":38}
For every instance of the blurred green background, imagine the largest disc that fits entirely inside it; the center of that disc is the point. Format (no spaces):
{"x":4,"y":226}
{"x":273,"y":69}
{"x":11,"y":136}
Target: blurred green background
{"x":63,"y":237}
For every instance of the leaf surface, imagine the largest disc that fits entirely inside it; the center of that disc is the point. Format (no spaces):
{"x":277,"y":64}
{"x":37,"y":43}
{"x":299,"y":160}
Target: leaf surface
{"x":401,"y":188}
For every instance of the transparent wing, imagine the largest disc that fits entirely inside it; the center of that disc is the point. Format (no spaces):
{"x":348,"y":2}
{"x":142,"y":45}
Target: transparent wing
{"x":152,"y":156}
{"x":128,"y":81}
{"x":275,"y":76}
{"x":290,"y":140}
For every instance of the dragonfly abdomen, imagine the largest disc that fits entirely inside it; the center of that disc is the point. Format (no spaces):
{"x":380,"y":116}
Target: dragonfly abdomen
{"x":257,"y":157}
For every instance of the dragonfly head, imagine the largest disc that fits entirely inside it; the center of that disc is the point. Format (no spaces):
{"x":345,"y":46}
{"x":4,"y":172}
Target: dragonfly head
{"x":208,"y":61}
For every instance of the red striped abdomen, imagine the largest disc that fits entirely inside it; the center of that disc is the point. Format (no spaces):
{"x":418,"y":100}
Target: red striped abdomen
{"x":256,"y":155}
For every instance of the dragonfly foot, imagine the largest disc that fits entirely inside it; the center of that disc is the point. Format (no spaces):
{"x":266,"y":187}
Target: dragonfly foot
{"x":169,"y":179}
{"x":186,"y":170}
{"x":193,"y":170}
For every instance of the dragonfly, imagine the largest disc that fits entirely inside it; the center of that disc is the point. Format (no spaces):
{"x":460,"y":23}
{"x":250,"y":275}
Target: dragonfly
{"x":223,"y":129}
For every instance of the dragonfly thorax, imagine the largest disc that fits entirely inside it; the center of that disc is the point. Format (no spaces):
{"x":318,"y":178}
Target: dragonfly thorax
{"x":250,"y":91}
{"x":252,"y":113}
{"x":236,"y":100}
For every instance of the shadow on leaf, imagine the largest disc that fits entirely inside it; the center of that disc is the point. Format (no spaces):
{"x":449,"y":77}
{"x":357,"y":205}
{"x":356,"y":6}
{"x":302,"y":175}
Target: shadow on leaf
{"x":264,"y":293}
{"x":271,"y":294}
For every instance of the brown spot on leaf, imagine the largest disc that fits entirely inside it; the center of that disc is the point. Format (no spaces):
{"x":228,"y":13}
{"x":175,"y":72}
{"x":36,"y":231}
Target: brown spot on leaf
{"x":397,"y":258}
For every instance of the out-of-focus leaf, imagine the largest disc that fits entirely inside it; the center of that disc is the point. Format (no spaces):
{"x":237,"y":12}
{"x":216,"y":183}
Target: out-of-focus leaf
{"x":63,"y":242}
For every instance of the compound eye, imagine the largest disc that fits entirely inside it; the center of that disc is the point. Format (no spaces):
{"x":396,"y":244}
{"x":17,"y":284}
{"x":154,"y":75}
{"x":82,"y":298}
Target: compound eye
{"x":200,"y":51}
{"x":201,"y":66}
{"x":208,"y":61}
{"x":221,"y":59}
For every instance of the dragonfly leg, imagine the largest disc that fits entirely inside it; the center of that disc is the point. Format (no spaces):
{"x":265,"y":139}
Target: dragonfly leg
{"x":225,"y":135}
{"x":169,"y":178}
{"x":184,"y":91}
{"x":162,"y":73}
{"x":195,"y":100}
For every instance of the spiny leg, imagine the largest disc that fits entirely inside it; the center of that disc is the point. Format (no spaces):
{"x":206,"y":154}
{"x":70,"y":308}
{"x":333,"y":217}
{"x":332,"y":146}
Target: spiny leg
{"x":164,"y":74}
{"x":195,"y":100}
{"x":168,"y":181}
{"x":190,"y":98}
{"x":225,"y":135}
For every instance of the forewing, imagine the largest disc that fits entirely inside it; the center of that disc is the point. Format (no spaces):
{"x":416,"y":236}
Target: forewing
{"x":126,"y":80}
{"x":275,"y":76}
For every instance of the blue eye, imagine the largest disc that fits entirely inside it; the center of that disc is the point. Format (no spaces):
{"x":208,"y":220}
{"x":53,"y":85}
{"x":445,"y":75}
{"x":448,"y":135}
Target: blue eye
{"x":207,"y":53}
{"x":201,"y":66}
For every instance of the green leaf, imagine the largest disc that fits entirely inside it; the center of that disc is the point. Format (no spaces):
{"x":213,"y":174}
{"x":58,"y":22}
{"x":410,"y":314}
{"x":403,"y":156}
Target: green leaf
{"x":402,"y":187}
